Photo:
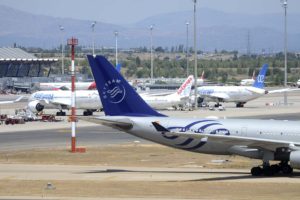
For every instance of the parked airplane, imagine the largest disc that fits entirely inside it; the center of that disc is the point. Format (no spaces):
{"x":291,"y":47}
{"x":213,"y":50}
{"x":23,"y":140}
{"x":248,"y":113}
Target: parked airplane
{"x":260,"y":139}
{"x":175,"y":100}
{"x":85,"y":99}
{"x":13,"y":101}
{"x":245,"y":82}
{"x":238,"y":94}
{"x":89,"y":99}
{"x":66,"y":86}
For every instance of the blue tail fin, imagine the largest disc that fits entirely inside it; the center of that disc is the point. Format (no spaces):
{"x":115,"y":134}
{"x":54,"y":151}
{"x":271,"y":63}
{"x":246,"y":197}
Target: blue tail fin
{"x":117,"y":96}
{"x":118,"y":67}
{"x":260,"y":79}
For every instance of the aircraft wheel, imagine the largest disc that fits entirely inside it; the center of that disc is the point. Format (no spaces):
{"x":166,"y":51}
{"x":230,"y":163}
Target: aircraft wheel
{"x":268,"y":171}
{"x":256,"y":171}
{"x":275,"y":168}
{"x":286,"y":169}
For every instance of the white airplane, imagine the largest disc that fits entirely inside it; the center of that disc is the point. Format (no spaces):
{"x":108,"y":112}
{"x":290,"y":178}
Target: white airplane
{"x":248,"y":82}
{"x":238,"y":94}
{"x":267,"y":140}
{"x":66,"y":86}
{"x":89,"y":100}
{"x":175,"y":100}
{"x":85,"y":99}
{"x":13,"y":101}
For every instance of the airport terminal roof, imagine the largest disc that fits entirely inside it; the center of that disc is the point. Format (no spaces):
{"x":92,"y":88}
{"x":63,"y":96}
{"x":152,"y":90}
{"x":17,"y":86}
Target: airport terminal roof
{"x":17,"y":54}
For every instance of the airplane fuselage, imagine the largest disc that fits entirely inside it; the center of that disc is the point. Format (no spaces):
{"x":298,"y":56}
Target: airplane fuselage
{"x":234,"y":93}
{"x":85,"y":99}
{"x":263,"y":129}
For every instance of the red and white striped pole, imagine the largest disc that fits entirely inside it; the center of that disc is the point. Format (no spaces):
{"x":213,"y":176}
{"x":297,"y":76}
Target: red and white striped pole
{"x":73,"y":42}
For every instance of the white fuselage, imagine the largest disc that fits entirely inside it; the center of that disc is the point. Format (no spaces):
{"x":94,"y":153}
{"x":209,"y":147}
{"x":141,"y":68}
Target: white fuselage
{"x":263,"y":129}
{"x":247,"y":82}
{"x":65,"y":86}
{"x":234,"y":93}
{"x":163,"y":102}
{"x":85,"y":99}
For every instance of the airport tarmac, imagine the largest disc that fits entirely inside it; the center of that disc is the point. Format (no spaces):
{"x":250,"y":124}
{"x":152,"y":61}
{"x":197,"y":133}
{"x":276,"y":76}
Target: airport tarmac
{"x":120,"y":166}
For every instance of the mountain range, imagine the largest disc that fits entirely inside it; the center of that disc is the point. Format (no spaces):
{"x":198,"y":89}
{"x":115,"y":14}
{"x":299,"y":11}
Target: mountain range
{"x":216,"y":30}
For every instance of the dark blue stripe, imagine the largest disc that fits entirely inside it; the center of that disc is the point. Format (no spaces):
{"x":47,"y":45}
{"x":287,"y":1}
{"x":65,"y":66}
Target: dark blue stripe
{"x":196,"y":146}
{"x":207,"y":125}
{"x":186,"y":142}
{"x":169,"y":137}
{"x":196,"y":122}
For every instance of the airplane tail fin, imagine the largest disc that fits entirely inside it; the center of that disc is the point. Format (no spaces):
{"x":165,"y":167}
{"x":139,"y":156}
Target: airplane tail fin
{"x":260,"y":79}
{"x":117,"y":96}
{"x":118,"y":67}
{"x":253,"y":75}
{"x":202,"y":75}
{"x":186,"y":87}
{"x":92,"y":86}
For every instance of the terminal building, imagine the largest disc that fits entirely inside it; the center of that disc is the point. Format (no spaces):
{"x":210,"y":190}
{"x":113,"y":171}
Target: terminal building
{"x":19,"y":70}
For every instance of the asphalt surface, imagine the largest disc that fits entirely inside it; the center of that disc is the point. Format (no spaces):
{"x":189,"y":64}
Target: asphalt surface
{"x":60,"y":138}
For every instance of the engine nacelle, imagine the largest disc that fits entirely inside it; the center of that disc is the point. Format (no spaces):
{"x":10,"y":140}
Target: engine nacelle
{"x":35,"y":106}
{"x":295,"y":159}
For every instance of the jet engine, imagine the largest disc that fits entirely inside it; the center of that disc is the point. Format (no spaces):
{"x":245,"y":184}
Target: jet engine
{"x":35,"y":106}
{"x":295,"y":159}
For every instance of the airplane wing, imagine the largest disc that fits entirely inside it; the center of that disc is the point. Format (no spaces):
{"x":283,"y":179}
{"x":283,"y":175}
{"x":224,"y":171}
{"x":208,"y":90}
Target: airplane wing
{"x":268,"y":144}
{"x":121,"y":123}
{"x":218,"y":96}
{"x":14,"y":101}
{"x":65,"y":102}
{"x":283,"y":90}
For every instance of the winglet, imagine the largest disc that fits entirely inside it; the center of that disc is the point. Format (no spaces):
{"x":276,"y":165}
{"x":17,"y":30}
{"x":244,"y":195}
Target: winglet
{"x":159,"y":127}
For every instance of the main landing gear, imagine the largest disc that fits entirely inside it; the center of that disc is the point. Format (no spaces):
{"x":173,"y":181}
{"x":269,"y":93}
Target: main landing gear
{"x":240,"y":104}
{"x":270,"y":170}
{"x":61,"y":113}
{"x":87,"y":113}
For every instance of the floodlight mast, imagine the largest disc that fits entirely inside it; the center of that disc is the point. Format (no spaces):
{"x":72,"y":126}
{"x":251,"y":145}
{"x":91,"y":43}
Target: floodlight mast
{"x":195,"y":55}
{"x":187,"y":48}
{"x":151,"y":50}
{"x":284,"y":5}
{"x":93,"y":37}
{"x":116,"y":36}
{"x":61,"y":28}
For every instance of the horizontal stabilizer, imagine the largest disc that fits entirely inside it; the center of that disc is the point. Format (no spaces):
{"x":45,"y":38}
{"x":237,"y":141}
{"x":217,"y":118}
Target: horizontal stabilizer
{"x":159,"y":127}
{"x":119,"y":123}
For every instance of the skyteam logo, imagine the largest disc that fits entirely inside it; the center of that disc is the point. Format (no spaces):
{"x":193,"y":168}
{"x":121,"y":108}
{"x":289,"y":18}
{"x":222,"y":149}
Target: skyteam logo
{"x":114,"y":91}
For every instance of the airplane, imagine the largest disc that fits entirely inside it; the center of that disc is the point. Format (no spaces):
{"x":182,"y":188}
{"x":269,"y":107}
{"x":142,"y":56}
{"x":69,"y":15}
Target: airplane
{"x":66,"y":86}
{"x":245,"y":82}
{"x":89,"y":99}
{"x":13,"y":101}
{"x":60,"y":99}
{"x":175,"y":100}
{"x":238,"y":94}
{"x":125,"y":110}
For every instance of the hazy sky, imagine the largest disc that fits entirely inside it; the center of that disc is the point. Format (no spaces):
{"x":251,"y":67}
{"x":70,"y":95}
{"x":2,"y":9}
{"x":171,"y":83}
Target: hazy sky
{"x":130,"y":11}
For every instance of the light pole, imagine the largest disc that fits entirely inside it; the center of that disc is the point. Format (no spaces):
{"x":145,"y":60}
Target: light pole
{"x":187,"y":48}
{"x":195,"y":54}
{"x":151,"y":51}
{"x":116,"y":36}
{"x":93,"y":37}
{"x":284,"y":5}
{"x":61,"y":28}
